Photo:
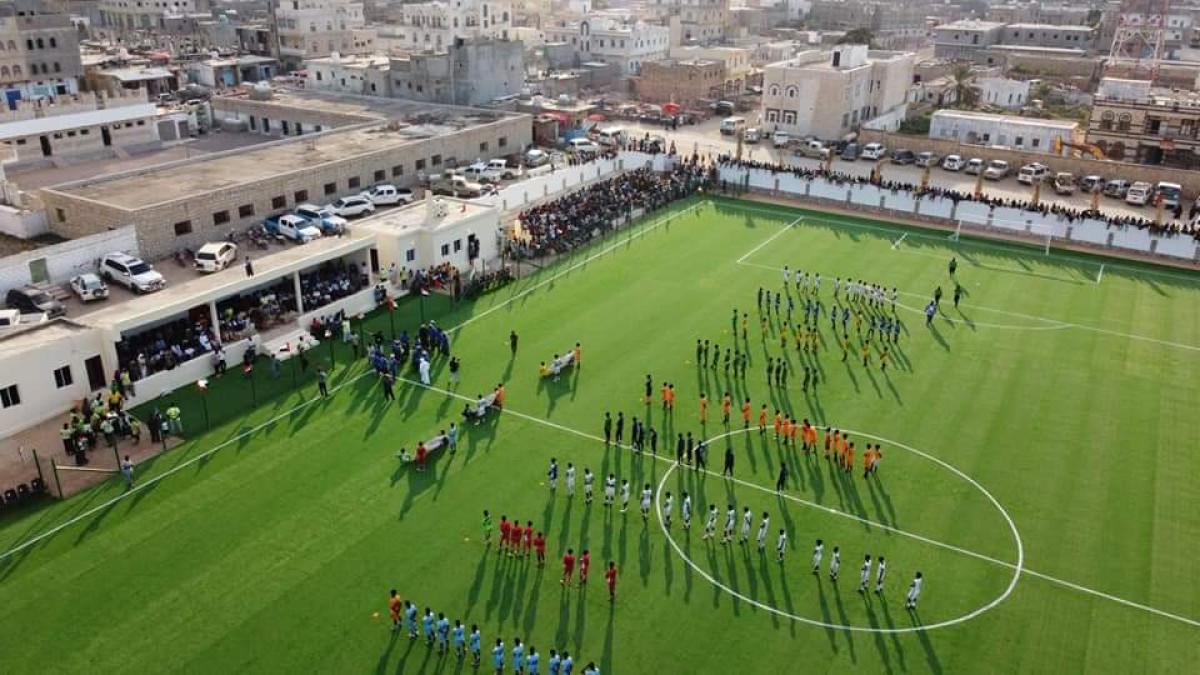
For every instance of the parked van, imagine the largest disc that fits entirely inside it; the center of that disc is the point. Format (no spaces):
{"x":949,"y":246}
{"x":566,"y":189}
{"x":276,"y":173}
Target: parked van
{"x":874,"y":151}
{"x":780,"y":139}
{"x":1033,"y":173}
{"x":1140,"y":193}
{"x":611,"y":136}
{"x":753,"y":135}
{"x":850,"y":152}
{"x":731,"y":125}
{"x":1171,"y":193}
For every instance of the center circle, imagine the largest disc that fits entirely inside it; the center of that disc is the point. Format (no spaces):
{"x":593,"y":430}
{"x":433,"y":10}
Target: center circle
{"x":1018,"y":567}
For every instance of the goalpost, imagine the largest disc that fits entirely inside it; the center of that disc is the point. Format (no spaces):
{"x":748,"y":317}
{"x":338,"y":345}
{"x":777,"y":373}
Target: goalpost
{"x":1044,"y":233}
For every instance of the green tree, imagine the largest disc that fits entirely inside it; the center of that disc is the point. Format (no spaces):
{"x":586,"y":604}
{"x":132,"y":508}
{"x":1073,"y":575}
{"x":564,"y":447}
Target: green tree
{"x":858,"y":36}
{"x":964,"y":91}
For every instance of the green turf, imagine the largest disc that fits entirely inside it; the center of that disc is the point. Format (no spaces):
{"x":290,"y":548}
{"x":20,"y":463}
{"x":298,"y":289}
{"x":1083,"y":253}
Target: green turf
{"x":1072,"y":402}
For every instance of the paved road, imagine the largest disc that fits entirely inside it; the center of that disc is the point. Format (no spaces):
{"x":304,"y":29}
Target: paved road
{"x":707,"y":138}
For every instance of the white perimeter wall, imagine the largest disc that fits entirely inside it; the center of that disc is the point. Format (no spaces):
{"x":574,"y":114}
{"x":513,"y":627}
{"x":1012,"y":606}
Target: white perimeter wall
{"x":67,"y":259}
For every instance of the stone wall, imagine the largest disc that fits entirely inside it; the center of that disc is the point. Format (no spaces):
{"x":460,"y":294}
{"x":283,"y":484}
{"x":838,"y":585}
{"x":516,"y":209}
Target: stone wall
{"x":1190,"y":180}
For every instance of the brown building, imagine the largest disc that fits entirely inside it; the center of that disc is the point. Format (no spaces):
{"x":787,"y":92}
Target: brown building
{"x":683,"y":82}
{"x":1161,"y":127}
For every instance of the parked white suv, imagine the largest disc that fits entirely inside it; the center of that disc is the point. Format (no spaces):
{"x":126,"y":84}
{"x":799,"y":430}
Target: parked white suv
{"x":215,"y":256}
{"x":350,"y":207}
{"x":874,"y":151}
{"x":132,"y":273}
{"x":997,"y":169}
{"x":954,"y":163}
{"x":1033,"y":173}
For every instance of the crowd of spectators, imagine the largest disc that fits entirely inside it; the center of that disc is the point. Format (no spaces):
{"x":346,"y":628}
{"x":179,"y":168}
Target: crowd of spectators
{"x":1172,"y":227}
{"x":331,"y":282}
{"x":574,"y":219}
{"x":166,"y":346}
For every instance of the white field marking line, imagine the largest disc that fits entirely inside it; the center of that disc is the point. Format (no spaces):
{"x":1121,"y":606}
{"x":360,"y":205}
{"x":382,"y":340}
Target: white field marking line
{"x":1054,"y":323}
{"x":141,"y":485}
{"x":770,"y":239}
{"x":1000,"y":268}
{"x":897,"y":242}
{"x":1100,"y":275}
{"x":1012,"y":584}
{"x":1019,"y":565}
{"x":1010,"y":248}
{"x":615,"y":245}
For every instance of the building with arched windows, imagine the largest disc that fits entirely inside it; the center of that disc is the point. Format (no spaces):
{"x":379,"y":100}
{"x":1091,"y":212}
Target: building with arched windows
{"x":433,"y":26}
{"x":311,"y":29}
{"x":829,"y":94}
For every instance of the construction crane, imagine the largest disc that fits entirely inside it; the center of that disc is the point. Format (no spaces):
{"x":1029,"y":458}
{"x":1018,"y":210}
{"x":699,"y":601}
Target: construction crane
{"x":1081,"y":148}
{"x":1137,"y":47}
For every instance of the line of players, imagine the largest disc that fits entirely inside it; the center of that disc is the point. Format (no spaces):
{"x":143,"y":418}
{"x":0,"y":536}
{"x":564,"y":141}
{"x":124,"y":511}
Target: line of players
{"x":437,"y":630}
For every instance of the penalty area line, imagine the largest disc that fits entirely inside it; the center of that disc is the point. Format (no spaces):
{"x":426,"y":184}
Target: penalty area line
{"x":897,"y":242}
{"x":770,"y":239}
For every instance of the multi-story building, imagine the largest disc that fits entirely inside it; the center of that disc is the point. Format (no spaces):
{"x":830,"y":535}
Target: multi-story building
{"x":366,"y":75}
{"x":738,"y":72}
{"x":466,"y":72}
{"x":831,"y":93}
{"x":627,"y":45}
{"x":1049,"y":36}
{"x":434,"y":25}
{"x":890,"y":22}
{"x":39,"y":56}
{"x":966,"y":39}
{"x":699,"y":20}
{"x":153,"y":16}
{"x":1003,"y":92}
{"x":309,"y":29}
{"x":683,"y":81}
{"x":78,"y":125}
{"x":1130,"y":121}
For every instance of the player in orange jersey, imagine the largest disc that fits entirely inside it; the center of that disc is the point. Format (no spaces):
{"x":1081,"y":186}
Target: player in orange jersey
{"x":850,"y":458}
{"x":762,"y":420}
{"x":778,"y":424}
{"x":746,"y":414}
{"x":787,"y":428}
{"x":703,"y":408}
{"x":726,"y":405}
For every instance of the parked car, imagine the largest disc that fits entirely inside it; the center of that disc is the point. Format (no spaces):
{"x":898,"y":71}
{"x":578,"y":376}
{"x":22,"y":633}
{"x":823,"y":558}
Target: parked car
{"x":498,"y":170}
{"x":132,"y":273}
{"x":351,"y":207}
{"x":536,"y":157}
{"x":1064,"y":183}
{"x":386,"y":194}
{"x":927,"y":159}
{"x":1139,"y":194}
{"x":1033,"y":173}
{"x":1117,"y":188}
{"x":974,"y":166}
{"x":954,"y":163}
{"x":814,"y":149}
{"x":293,"y":227}
{"x":458,"y":186}
{"x":88,"y":287}
{"x":997,"y":169}
{"x":582,"y":146}
{"x":874,"y":151}
{"x":850,"y":152}
{"x":216,"y":256}
{"x":31,"y":300}
{"x":1170,"y":193}
{"x":752,"y":135}
{"x":322,"y":217}
{"x":780,"y":139}
{"x":903,"y":157}
{"x":1092,"y":183}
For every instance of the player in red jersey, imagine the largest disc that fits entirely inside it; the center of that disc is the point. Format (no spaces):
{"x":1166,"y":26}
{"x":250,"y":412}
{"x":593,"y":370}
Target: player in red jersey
{"x":505,"y":533}
{"x":568,"y":568}
{"x":528,"y":538}
{"x":539,"y":543}
{"x":585,"y":564}
{"x":610,"y":578}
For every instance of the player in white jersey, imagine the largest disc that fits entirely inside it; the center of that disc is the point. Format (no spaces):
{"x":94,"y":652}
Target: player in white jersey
{"x":730,"y":521}
{"x":624,"y":496}
{"x":570,"y":479}
{"x":610,"y":490}
{"x":647,"y":497}
{"x":817,"y":283}
{"x":914,"y":592}
{"x":837,"y":286}
{"x":668,"y":506}
{"x":762,"y":531}
{"x":589,"y":484}
{"x":710,"y":525}
{"x":880,"y":572}
{"x":864,"y":575}
{"x":685,"y":511}
{"x":835,"y":564}
{"x":787,"y":276}
{"x":781,"y":545}
{"x":818,"y":551}
{"x":747,"y":521}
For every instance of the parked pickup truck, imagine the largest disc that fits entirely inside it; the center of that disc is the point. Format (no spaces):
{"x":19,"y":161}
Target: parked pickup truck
{"x":813,"y":149}
{"x":297,"y":228}
{"x":323,"y":217}
{"x":457,"y":186}
{"x":498,"y":170}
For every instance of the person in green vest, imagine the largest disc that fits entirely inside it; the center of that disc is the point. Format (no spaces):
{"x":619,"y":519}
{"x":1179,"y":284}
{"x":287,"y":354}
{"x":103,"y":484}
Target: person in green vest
{"x":175,"y":419}
{"x":135,"y":428}
{"x":127,"y":383}
{"x":110,"y":433}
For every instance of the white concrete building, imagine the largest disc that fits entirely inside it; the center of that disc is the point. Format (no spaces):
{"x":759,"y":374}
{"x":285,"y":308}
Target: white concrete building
{"x":78,"y":125}
{"x":627,"y":45}
{"x":828,"y":94}
{"x":434,"y":25}
{"x":1009,"y":131}
{"x":309,"y":29}
{"x":122,"y":16}
{"x":1003,"y":92}
{"x":366,"y":75}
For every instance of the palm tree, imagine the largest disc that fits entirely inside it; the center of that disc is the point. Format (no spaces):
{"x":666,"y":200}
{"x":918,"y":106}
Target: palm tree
{"x":964,"y":92}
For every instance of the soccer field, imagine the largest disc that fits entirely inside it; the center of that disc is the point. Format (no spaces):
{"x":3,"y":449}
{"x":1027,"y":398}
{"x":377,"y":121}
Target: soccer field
{"x":1040,"y":471}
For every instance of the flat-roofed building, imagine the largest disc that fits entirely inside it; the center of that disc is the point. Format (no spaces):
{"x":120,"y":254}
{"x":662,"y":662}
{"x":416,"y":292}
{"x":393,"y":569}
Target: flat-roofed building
{"x":1010,"y":131}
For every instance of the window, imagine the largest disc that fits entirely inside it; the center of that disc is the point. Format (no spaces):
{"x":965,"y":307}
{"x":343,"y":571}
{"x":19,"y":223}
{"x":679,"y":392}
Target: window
{"x":301,"y":196}
{"x":420,"y":165}
{"x":503,"y":142}
{"x":483,"y":147}
{"x":1036,"y":142}
{"x":445,"y":250}
{"x":410,"y":255}
{"x":845,"y":120}
{"x":220,"y":217}
{"x":380,"y":175}
{"x":61,"y":215}
{"x":436,"y":160}
{"x":245,"y":210}
{"x":183,"y":227}
{"x":397,"y":170}
{"x":279,"y":202}
{"x":354,"y":182}
{"x":62,"y":377}
{"x":330,"y":188}
{"x":9,"y":396}
{"x":457,"y":245}
{"x":53,"y":43}
{"x":1019,"y":141}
